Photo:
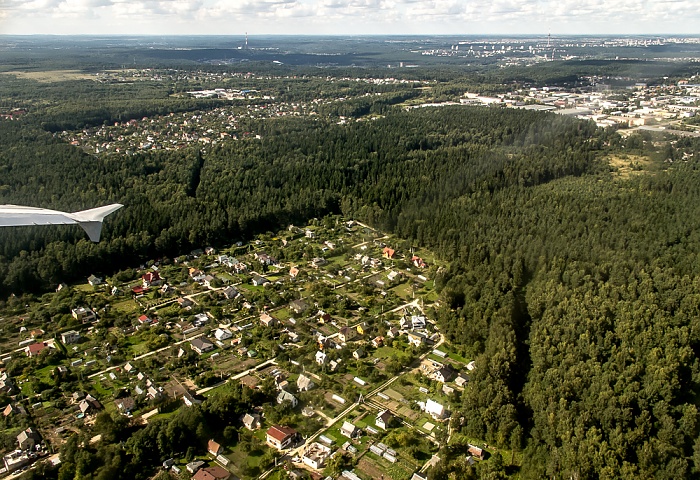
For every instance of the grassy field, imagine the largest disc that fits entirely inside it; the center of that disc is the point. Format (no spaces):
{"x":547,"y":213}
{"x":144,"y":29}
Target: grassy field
{"x":51,"y":76}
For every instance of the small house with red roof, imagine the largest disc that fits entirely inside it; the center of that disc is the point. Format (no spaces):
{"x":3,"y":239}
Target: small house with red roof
{"x":35,"y":349}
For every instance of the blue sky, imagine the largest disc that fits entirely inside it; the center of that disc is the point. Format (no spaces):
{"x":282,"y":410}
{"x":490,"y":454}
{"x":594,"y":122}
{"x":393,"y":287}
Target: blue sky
{"x":235,"y":17}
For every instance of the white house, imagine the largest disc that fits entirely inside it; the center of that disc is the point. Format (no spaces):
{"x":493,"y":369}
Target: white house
{"x":222,"y":334}
{"x":315,"y":455}
{"x":434,"y":409}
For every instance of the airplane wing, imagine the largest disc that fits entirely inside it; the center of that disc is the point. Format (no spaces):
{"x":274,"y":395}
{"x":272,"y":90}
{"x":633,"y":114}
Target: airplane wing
{"x":89,"y":220}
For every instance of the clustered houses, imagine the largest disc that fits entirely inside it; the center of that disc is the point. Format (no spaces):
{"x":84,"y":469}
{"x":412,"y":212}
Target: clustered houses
{"x":210,"y":326}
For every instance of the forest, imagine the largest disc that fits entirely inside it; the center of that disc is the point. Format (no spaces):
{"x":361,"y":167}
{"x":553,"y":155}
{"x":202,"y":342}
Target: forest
{"x":577,"y":289}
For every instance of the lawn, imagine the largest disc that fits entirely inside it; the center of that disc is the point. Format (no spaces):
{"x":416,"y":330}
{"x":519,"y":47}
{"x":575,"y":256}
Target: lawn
{"x":385,"y":352}
{"x":239,"y":458}
{"x":403,"y":290}
{"x":126,"y":306}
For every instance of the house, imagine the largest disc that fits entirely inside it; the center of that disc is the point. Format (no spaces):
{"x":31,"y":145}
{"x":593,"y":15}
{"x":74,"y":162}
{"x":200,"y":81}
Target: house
{"x":418,"y":262}
{"x":285,"y":396}
{"x":27,"y":439}
{"x":359,"y":353}
{"x":324,"y":343}
{"x":315,"y":455}
{"x":145,"y":320}
{"x":209,"y":251}
{"x":265,"y":259}
{"x":434,"y":409}
{"x":125,"y":405}
{"x":309,"y":234}
{"x":377,"y":342}
{"x":259,"y":281}
{"x":94,"y":281}
{"x":419,"y":476}
{"x":267,"y":320}
{"x":200,"y":319}
{"x":212,"y":473}
{"x":416,"y":339}
{"x":305,"y":383}
{"x":129,"y":368}
{"x":37,"y":332}
{"x":193,"y":467}
{"x":251,"y":421}
{"x":6,"y":383}
{"x":83,"y":314}
{"x":388,"y":252}
{"x":347,"y":334}
{"x":201,"y":345}
{"x":417,"y":322}
{"x":230,"y":293}
{"x":151,"y":279}
{"x":138,"y":290}
{"x":445,"y":374}
{"x":447,"y":390}
{"x":320,"y":357}
{"x":13,"y":410}
{"x":214,"y":448}
{"x":154,"y":393}
{"x":35,"y":349}
{"x":476,"y":452}
{"x":293,"y":272}
{"x":318,"y":262}
{"x":89,"y":404}
{"x":208,"y":281}
{"x":298,"y":306}
{"x":349,"y":430}
{"x":71,"y":336}
{"x":361,"y":328}
{"x":222,"y":334}
{"x":383,"y":419}
{"x":195,"y":273}
{"x":280,"y":437}
{"x":184,"y":302}
{"x":189,"y":400}
{"x":462,"y":379}
{"x":393,"y":332}
{"x":471,"y":365}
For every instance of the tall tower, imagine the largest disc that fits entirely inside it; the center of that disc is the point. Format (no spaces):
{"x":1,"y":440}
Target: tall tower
{"x":246,"y":40}
{"x":549,"y":38}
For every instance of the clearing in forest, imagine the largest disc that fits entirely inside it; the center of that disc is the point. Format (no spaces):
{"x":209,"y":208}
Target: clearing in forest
{"x":50,"y":76}
{"x":627,"y":165}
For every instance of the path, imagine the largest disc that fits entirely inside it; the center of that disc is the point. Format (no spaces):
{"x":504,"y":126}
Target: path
{"x":139,"y":357}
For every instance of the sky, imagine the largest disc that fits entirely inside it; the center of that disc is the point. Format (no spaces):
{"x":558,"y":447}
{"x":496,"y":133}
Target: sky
{"x":359,"y":17}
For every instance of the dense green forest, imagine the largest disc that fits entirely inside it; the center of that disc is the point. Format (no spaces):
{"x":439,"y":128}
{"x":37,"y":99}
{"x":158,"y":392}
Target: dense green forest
{"x":576,"y":288}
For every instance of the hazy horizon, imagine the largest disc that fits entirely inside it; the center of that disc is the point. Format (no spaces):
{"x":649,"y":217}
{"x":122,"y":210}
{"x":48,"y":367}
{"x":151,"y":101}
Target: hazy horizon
{"x":349,"y":17}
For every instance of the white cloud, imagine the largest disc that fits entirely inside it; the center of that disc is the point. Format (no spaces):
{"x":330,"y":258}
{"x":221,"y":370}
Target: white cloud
{"x":349,"y":16}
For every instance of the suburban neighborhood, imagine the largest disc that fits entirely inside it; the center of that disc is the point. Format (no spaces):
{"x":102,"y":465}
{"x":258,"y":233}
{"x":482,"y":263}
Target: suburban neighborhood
{"x":332,"y":324}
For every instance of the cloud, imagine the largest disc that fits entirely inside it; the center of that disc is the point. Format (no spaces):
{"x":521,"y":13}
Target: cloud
{"x":349,"y":16}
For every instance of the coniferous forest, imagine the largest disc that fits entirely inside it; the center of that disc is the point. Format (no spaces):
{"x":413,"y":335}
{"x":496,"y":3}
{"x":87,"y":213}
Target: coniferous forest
{"x":576,"y":288}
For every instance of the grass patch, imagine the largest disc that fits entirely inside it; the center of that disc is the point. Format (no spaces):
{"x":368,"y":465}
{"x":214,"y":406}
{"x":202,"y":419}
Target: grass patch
{"x":403,"y":290}
{"x":126,"y":306}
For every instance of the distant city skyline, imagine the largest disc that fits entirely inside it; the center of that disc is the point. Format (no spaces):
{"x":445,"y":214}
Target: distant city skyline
{"x":358,"y":17}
